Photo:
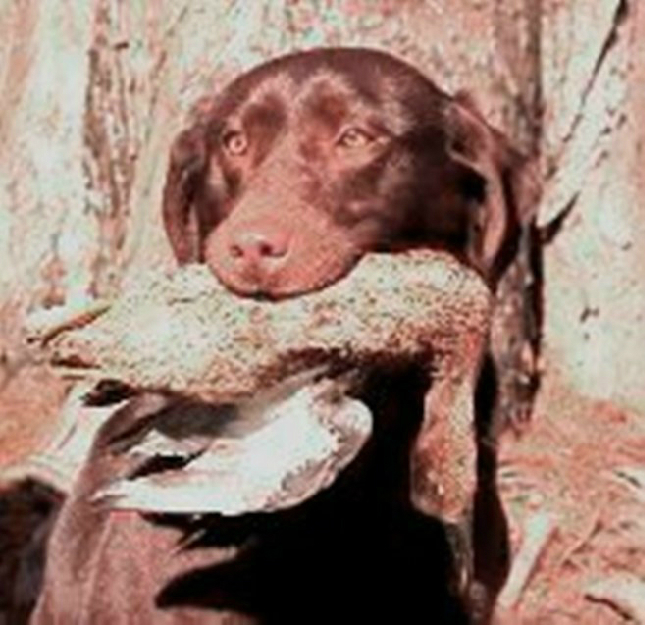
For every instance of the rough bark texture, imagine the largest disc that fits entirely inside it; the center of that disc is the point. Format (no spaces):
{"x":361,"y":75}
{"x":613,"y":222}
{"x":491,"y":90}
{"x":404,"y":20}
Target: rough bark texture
{"x":593,"y":68}
{"x":46,"y":238}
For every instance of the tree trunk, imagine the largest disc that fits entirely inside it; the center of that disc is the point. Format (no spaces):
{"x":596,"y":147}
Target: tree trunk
{"x":593,"y":215}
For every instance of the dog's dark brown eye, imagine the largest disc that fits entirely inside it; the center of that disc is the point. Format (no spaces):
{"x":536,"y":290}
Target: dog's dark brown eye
{"x":354,"y":138}
{"x":235,"y":142}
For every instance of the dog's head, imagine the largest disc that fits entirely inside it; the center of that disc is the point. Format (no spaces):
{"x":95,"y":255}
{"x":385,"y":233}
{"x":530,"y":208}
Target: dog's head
{"x":308,"y":161}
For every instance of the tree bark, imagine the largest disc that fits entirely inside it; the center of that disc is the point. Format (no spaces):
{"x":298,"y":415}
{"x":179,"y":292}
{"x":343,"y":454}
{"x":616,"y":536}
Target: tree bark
{"x":592,"y":214}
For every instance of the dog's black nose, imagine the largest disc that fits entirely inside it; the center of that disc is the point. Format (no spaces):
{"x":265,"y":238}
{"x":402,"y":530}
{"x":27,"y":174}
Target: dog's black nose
{"x":257,"y":247}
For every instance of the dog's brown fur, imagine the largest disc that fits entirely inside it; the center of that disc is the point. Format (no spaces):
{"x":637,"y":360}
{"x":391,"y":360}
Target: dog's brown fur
{"x":305,"y":163}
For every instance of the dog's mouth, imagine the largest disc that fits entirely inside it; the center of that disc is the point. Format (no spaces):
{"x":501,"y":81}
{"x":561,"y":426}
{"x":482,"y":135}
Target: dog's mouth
{"x":306,"y":267}
{"x":288,"y":280}
{"x":276,"y":289}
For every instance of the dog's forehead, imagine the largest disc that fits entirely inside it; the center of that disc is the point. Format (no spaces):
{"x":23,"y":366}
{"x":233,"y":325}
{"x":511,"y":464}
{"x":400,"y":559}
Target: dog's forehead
{"x":325,"y":94}
{"x":356,"y":80}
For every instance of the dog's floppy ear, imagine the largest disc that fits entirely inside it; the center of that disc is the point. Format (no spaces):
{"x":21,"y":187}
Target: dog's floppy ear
{"x":508,"y":183}
{"x":186,"y":171}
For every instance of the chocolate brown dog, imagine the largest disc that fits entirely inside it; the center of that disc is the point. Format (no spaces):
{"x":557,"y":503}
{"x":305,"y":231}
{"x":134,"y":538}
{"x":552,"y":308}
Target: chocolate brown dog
{"x":281,"y":183}
{"x":306,"y":162}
